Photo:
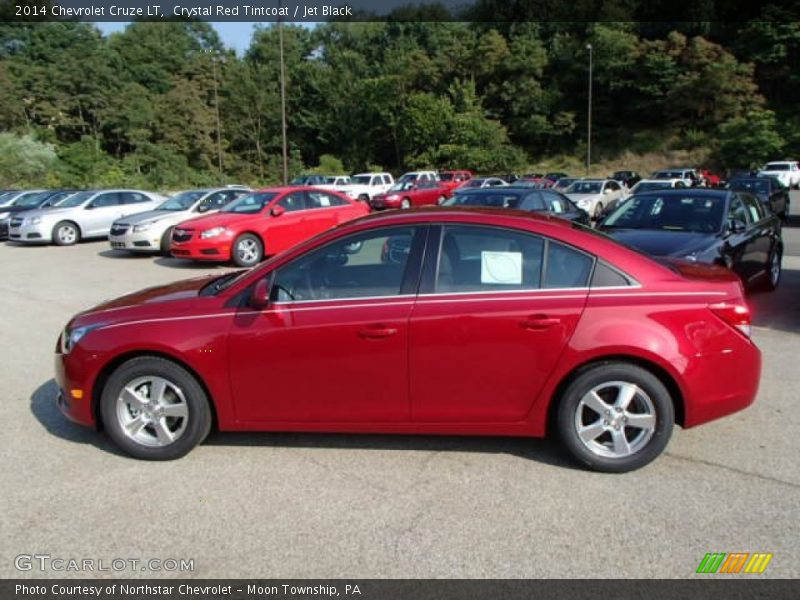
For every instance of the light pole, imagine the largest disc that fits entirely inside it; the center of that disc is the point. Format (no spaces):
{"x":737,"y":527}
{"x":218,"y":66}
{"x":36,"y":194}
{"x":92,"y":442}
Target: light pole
{"x":283,"y":103}
{"x":214,"y":59}
{"x":589,"y":116}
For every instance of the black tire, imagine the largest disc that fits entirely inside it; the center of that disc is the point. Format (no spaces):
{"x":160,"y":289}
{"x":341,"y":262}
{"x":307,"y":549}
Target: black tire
{"x":247,"y":259}
{"x":773,"y":279}
{"x":198,"y":419}
{"x":166,"y":242}
{"x":66,"y":233}
{"x":650,"y":443}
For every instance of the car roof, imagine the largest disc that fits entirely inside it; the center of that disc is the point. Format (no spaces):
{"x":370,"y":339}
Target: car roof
{"x":683,"y":192}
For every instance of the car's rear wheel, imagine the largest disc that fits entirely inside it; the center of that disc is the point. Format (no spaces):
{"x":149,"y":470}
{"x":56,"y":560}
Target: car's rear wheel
{"x":247,"y":250}
{"x":615,"y":417}
{"x":441,"y":200}
{"x":66,"y":233}
{"x":774,"y":270}
{"x":166,"y":241}
{"x":154,"y":409}
{"x":406,"y":203}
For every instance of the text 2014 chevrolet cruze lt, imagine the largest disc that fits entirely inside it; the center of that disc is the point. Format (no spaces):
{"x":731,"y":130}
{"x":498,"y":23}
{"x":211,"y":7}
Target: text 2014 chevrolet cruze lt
{"x":437,"y":321}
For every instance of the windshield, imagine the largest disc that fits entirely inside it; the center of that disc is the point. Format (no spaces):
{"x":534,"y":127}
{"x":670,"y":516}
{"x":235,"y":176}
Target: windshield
{"x":699,"y":214}
{"x":751,"y":185}
{"x":776,"y":167}
{"x":249,"y":204}
{"x":31,"y":200}
{"x":584,"y":187}
{"x":75,"y":200}
{"x":299,"y":180}
{"x":446,"y":176}
{"x":362,"y":179}
{"x":182,"y":201}
{"x":668,"y":175}
{"x":402,"y":186}
{"x":647,"y":186}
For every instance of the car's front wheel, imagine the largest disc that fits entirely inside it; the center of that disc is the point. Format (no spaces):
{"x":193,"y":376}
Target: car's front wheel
{"x":166,"y":241}
{"x":154,"y":409}
{"x":774,"y":271}
{"x":406,"y":203}
{"x":615,"y":417}
{"x":66,"y":233}
{"x":247,"y":250}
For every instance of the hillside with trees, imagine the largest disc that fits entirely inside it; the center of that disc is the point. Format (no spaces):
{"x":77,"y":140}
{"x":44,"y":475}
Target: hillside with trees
{"x":166,"y":105}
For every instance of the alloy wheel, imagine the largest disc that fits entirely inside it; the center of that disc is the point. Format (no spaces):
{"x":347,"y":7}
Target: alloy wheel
{"x":247,"y":251}
{"x":152,"y":411}
{"x":67,"y":234}
{"x":615,"y":419}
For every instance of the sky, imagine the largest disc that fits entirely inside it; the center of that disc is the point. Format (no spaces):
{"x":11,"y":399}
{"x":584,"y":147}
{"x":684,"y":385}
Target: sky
{"x":234,"y":34}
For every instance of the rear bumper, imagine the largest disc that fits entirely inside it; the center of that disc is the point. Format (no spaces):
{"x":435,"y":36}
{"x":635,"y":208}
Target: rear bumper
{"x":722,"y":383}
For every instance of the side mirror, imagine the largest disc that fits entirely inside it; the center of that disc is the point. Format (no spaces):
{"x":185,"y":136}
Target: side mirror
{"x":203,"y":208}
{"x":89,"y":206}
{"x":259,"y":295}
{"x":736,"y":226}
{"x":277,"y":211}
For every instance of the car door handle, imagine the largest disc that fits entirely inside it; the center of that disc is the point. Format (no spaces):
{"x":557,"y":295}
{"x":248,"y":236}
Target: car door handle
{"x":537,"y":322}
{"x":376,"y":332}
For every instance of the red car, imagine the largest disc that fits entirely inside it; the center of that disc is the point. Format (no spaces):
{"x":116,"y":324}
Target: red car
{"x":711,"y":179}
{"x":454,"y":179}
{"x":405,"y":194}
{"x":263,"y":223}
{"x":436,"y":321}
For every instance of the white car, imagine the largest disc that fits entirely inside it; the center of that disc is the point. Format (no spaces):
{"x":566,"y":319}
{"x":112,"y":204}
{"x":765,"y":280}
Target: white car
{"x":785,"y":171}
{"x":690,"y":177}
{"x":419,"y":176}
{"x":83,"y":215}
{"x":335,"y":182}
{"x":648,"y":185}
{"x":595,"y":196}
{"x":482,"y":182}
{"x":151,"y":231}
{"x":364,"y":186}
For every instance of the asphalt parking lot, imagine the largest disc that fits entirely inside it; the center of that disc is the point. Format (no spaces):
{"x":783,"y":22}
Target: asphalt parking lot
{"x":290,"y":505}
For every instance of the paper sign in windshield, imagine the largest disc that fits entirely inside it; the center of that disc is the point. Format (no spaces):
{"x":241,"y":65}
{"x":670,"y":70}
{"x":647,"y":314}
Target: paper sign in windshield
{"x":504,"y":268}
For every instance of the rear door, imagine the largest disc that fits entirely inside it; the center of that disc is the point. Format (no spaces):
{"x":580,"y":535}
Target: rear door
{"x":495,"y":310}
{"x":761,"y":234}
{"x":740,"y":248}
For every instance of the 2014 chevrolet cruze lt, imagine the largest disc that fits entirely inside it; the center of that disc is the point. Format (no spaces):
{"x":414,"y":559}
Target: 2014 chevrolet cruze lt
{"x":434,"y":321}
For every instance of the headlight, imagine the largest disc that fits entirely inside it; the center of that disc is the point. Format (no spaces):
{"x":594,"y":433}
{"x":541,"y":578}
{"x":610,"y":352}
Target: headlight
{"x":583,"y":203}
{"x":143,"y":227}
{"x":34,"y":220}
{"x":4,"y":215}
{"x":70,"y":338}
{"x":213,"y":232}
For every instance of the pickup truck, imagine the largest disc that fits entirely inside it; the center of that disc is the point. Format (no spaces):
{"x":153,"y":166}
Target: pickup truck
{"x":785,"y":171}
{"x":365,"y":186}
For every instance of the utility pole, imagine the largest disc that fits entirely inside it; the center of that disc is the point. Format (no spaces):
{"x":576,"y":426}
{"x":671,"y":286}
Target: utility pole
{"x":283,"y":103}
{"x":589,"y":116}
{"x":214,"y":59}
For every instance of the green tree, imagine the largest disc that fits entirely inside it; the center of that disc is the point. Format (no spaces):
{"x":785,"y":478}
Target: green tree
{"x":23,"y":160}
{"x":749,"y":140}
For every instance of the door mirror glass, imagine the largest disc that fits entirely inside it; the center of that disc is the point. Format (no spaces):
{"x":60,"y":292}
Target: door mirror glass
{"x":203,"y":208}
{"x":259,"y":295}
{"x":736,"y":226}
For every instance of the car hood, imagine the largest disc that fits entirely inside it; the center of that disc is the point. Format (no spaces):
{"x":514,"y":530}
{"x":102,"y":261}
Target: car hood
{"x":153,"y":215}
{"x":135,"y":304}
{"x":216,"y":220}
{"x":43,"y":212}
{"x":579,"y":197}
{"x":662,"y":243}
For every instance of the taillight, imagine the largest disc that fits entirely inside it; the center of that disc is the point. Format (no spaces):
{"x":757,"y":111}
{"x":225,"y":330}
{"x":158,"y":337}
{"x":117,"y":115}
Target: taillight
{"x":734,"y":314}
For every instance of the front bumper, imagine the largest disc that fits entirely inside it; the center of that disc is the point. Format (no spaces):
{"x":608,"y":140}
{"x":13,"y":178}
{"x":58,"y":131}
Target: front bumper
{"x":213,"y":250}
{"x":384,"y":203}
{"x":70,"y":385}
{"x":32,"y":234}
{"x":143,"y":241}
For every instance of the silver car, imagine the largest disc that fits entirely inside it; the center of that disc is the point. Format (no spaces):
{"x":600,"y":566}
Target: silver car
{"x":83,"y":215}
{"x":151,"y":231}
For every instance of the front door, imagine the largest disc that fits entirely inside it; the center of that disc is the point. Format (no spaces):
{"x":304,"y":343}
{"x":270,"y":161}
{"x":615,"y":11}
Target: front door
{"x":333,"y":344}
{"x":490,"y":323}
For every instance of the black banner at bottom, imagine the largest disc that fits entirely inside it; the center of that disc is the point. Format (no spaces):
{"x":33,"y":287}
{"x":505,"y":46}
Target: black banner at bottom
{"x":389,"y":589}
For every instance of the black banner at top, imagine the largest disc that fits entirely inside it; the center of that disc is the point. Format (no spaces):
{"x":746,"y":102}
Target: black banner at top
{"x":312,"y":11}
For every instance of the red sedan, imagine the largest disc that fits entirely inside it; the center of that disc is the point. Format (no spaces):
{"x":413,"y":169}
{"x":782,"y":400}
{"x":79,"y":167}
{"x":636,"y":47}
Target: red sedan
{"x":438,"y":321}
{"x":407,"y":194}
{"x":265,"y":222}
